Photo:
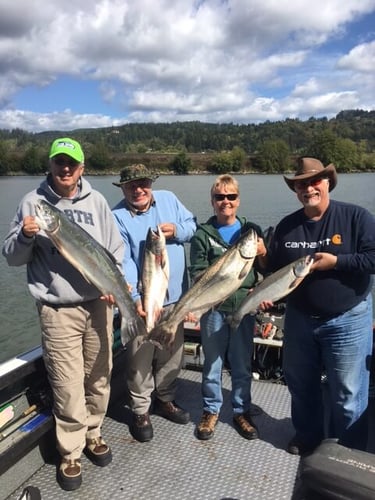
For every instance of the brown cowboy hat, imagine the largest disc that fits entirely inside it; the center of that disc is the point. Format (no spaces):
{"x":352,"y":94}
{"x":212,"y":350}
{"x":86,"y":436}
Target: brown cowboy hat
{"x":134,"y":172}
{"x":308,"y":168}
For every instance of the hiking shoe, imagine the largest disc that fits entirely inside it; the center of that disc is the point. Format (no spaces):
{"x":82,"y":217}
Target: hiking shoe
{"x":296,"y":447}
{"x":30,"y":493}
{"x":171,"y":411}
{"x":69,"y":475}
{"x":206,"y":427}
{"x":98,"y":451}
{"x":245,"y":426}
{"x":141,"y":428}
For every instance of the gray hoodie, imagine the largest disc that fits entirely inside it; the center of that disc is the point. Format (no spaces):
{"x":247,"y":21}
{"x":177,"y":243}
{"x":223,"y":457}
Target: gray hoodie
{"x":51,"y":278}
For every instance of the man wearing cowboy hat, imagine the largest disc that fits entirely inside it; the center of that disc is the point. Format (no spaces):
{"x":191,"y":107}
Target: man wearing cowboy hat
{"x":328,"y":320}
{"x":149,"y":370}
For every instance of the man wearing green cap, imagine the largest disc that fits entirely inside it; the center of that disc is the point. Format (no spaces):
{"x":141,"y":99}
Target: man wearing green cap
{"x":76,"y":324}
{"x":151,"y":371}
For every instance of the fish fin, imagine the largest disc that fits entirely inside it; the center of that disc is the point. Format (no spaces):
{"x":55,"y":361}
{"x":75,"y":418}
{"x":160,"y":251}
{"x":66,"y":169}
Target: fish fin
{"x":162,"y":334}
{"x":132,"y":329}
{"x":295,"y":283}
{"x":244,"y":271}
{"x":164,"y":264}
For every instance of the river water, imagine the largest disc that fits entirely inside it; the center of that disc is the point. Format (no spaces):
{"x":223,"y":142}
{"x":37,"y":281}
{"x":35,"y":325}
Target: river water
{"x":265,"y":199}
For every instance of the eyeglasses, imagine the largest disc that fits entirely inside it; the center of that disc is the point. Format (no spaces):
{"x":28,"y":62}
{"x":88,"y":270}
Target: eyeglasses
{"x":312,"y":182}
{"x":222,"y":197}
{"x":64,"y":161}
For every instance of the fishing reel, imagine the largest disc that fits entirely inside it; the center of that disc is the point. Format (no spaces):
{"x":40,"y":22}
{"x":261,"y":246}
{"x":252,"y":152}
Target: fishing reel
{"x":270,"y":324}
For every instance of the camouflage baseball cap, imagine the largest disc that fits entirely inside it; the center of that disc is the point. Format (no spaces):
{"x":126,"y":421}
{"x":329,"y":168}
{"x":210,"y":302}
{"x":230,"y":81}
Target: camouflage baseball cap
{"x":134,"y":172}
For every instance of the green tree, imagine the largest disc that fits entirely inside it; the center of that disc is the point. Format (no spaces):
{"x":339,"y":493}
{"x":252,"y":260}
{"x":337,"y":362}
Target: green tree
{"x":347,"y":157}
{"x":99,"y":158}
{"x":181,"y":164}
{"x":4,"y":159}
{"x":221,"y":163}
{"x":238,"y":158}
{"x":323,"y":146}
{"x":33,"y":162}
{"x":273,"y":156}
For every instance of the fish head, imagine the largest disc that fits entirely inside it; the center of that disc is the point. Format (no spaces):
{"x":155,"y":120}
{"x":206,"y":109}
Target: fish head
{"x":47,"y":216}
{"x":155,"y":240}
{"x":302,"y":267}
{"x":247,"y":245}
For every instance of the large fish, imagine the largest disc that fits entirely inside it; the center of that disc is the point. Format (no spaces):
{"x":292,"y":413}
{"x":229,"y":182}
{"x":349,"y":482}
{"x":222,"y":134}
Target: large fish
{"x":155,"y":276}
{"x":217,"y":283}
{"x":93,"y":261}
{"x":273,"y":288}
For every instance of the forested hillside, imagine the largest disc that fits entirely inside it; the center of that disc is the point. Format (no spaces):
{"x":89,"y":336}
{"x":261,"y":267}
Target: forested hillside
{"x":348,"y":141}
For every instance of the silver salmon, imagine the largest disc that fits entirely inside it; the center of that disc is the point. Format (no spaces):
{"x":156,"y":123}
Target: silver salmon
{"x":93,"y":261}
{"x":154,"y":276}
{"x":273,"y":288}
{"x":217,"y":283}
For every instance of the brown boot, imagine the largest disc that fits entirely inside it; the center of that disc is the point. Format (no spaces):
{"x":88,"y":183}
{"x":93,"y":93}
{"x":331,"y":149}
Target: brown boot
{"x":98,"y":451}
{"x":69,"y":474}
{"x":206,"y":427}
{"x":245,"y":426}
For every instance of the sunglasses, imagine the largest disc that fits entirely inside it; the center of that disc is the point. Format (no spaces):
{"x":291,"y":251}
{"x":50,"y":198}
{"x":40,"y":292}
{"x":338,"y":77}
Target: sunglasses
{"x":222,"y":197}
{"x":64,"y":161}
{"x":312,"y":182}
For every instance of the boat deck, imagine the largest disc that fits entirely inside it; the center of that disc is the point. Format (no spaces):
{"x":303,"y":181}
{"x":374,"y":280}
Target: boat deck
{"x":175,"y":464}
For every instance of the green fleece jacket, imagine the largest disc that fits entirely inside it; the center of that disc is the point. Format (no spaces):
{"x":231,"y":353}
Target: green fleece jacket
{"x":207,"y":246}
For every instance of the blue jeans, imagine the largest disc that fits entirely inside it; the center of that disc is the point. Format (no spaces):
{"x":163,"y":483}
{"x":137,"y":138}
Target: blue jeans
{"x":342,"y":348}
{"x":219,"y":343}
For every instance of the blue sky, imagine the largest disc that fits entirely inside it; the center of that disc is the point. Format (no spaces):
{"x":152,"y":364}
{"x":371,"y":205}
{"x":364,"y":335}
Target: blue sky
{"x":110,"y":62}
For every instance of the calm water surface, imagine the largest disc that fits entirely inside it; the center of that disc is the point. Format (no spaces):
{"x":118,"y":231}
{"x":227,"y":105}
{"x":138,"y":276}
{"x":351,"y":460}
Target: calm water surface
{"x":264,"y":200}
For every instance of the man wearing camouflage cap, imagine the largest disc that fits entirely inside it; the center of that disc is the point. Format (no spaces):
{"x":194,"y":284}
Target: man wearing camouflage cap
{"x":148,"y":369}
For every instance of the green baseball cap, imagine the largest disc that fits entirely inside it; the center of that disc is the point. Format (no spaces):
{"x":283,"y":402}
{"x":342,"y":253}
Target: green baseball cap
{"x":67,"y":146}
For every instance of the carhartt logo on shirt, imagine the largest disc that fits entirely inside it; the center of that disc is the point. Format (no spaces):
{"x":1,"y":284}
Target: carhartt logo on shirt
{"x":334,"y":240}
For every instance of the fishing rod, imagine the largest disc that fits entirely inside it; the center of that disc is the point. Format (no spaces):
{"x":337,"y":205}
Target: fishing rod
{"x":24,"y":417}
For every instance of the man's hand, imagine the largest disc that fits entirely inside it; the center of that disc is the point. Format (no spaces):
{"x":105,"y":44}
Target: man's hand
{"x":109,"y":299}
{"x":169,"y":230}
{"x":30,"y":226}
{"x":139,"y":308}
{"x":323,"y":261}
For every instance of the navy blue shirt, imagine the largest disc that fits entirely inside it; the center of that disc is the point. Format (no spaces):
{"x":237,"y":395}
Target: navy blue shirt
{"x":345,"y":230}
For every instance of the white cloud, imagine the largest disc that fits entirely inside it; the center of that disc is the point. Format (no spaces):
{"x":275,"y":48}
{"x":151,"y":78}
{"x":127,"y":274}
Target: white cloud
{"x":360,"y":59}
{"x":156,"y":60}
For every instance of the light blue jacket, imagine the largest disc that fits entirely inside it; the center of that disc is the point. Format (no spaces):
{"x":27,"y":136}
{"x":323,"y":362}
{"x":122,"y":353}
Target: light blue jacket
{"x":133,"y":227}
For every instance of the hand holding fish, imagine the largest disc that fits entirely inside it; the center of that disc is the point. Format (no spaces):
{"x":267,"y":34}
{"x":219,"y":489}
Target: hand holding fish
{"x":261,"y":248}
{"x":29,"y":226}
{"x":191,"y":318}
{"x":139,"y":308}
{"x":168,"y":229}
{"x":109,"y":299}
{"x":265,"y":305}
{"x":324,"y":261}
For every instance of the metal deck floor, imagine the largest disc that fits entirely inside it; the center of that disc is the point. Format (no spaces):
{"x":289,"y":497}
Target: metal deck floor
{"x":175,"y":464}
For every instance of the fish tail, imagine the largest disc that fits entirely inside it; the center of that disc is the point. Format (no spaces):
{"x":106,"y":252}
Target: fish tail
{"x":131,"y":329}
{"x":162,"y":334}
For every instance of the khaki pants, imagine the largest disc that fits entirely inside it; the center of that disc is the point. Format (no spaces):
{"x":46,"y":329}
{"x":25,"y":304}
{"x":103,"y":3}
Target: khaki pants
{"x":77,"y":352}
{"x":149,"y":368}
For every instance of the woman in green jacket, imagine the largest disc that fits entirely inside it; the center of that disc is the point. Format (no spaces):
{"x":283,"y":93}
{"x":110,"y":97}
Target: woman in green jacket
{"x":219,"y":341}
